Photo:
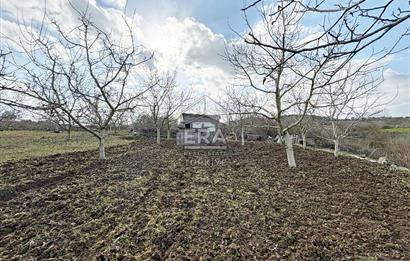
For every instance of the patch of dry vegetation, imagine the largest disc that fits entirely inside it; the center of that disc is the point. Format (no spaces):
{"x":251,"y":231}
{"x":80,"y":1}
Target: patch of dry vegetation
{"x":17,"y":145}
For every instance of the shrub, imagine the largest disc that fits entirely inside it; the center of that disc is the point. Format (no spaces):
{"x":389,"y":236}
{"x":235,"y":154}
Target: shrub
{"x":398,"y":150}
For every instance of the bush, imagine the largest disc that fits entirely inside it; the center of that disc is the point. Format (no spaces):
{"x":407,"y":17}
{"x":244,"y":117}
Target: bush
{"x":371,"y":141}
{"x":398,"y":150}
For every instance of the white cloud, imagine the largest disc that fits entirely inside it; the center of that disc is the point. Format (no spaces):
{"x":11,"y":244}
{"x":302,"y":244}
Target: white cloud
{"x":194,"y":50}
{"x":116,"y":4}
{"x":65,"y":14}
{"x":186,"y":43}
{"x":398,"y":86}
{"x":183,"y":44}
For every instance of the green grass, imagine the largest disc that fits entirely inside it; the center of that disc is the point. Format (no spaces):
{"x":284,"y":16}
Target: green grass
{"x":16,"y":145}
{"x":398,"y":130}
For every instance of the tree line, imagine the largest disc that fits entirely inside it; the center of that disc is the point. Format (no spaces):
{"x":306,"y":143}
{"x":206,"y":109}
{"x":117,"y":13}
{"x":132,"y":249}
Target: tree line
{"x":85,"y":76}
{"x":332,"y":71}
{"x":90,"y":78}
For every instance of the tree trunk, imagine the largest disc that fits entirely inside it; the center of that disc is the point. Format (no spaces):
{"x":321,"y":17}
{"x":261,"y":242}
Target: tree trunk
{"x":242,"y":136}
{"x":304,"y":140}
{"x":289,"y":151}
{"x":69,"y":132}
{"x":168,"y":134}
{"x":168,"y":130}
{"x":101,"y":146}
{"x":158,"y":136}
{"x":336,"y":150}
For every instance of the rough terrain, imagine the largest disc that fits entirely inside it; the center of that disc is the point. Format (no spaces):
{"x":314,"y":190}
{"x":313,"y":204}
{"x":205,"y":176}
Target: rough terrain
{"x":157,"y":202}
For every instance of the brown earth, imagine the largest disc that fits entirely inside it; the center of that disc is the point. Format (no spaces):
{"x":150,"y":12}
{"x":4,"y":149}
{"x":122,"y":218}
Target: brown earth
{"x":157,"y":202}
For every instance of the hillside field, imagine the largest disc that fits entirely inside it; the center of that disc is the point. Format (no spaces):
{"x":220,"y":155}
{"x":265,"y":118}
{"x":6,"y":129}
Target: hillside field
{"x":161,"y":203}
{"x":403,"y":130}
{"x":17,"y":145}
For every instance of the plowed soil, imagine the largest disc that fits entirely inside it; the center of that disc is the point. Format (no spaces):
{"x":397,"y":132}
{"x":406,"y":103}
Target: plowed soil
{"x":157,"y":202}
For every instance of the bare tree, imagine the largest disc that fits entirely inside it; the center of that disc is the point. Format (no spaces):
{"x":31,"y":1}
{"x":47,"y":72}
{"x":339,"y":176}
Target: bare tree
{"x":3,"y":66}
{"x":345,"y":103}
{"x":175,"y":102}
{"x":2,"y":76}
{"x":60,"y":119}
{"x":6,"y":79}
{"x":156,"y":97}
{"x":7,"y":112}
{"x":120,"y":119}
{"x":85,"y":64}
{"x":238,"y":108}
{"x":305,"y":125}
{"x":178,"y":100}
{"x":278,"y":60}
{"x":164,"y":100}
{"x":283,"y":81}
{"x":9,"y":115}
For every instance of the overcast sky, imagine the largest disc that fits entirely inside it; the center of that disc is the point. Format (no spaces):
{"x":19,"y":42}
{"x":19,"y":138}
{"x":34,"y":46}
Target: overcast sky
{"x":189,"y":35}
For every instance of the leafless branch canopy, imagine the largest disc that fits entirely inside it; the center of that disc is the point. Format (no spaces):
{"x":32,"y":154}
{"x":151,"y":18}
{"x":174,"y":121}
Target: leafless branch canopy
{"x":84,"y":74}
{"x":355,"y":24}
{"x":164,"y":99}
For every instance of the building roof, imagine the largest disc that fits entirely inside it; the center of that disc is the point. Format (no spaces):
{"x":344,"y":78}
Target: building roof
{"x":192,"y":117}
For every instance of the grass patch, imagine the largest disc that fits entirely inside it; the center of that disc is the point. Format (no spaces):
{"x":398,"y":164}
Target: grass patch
{"x":397,"y":130}
{"x":16,"y":145}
